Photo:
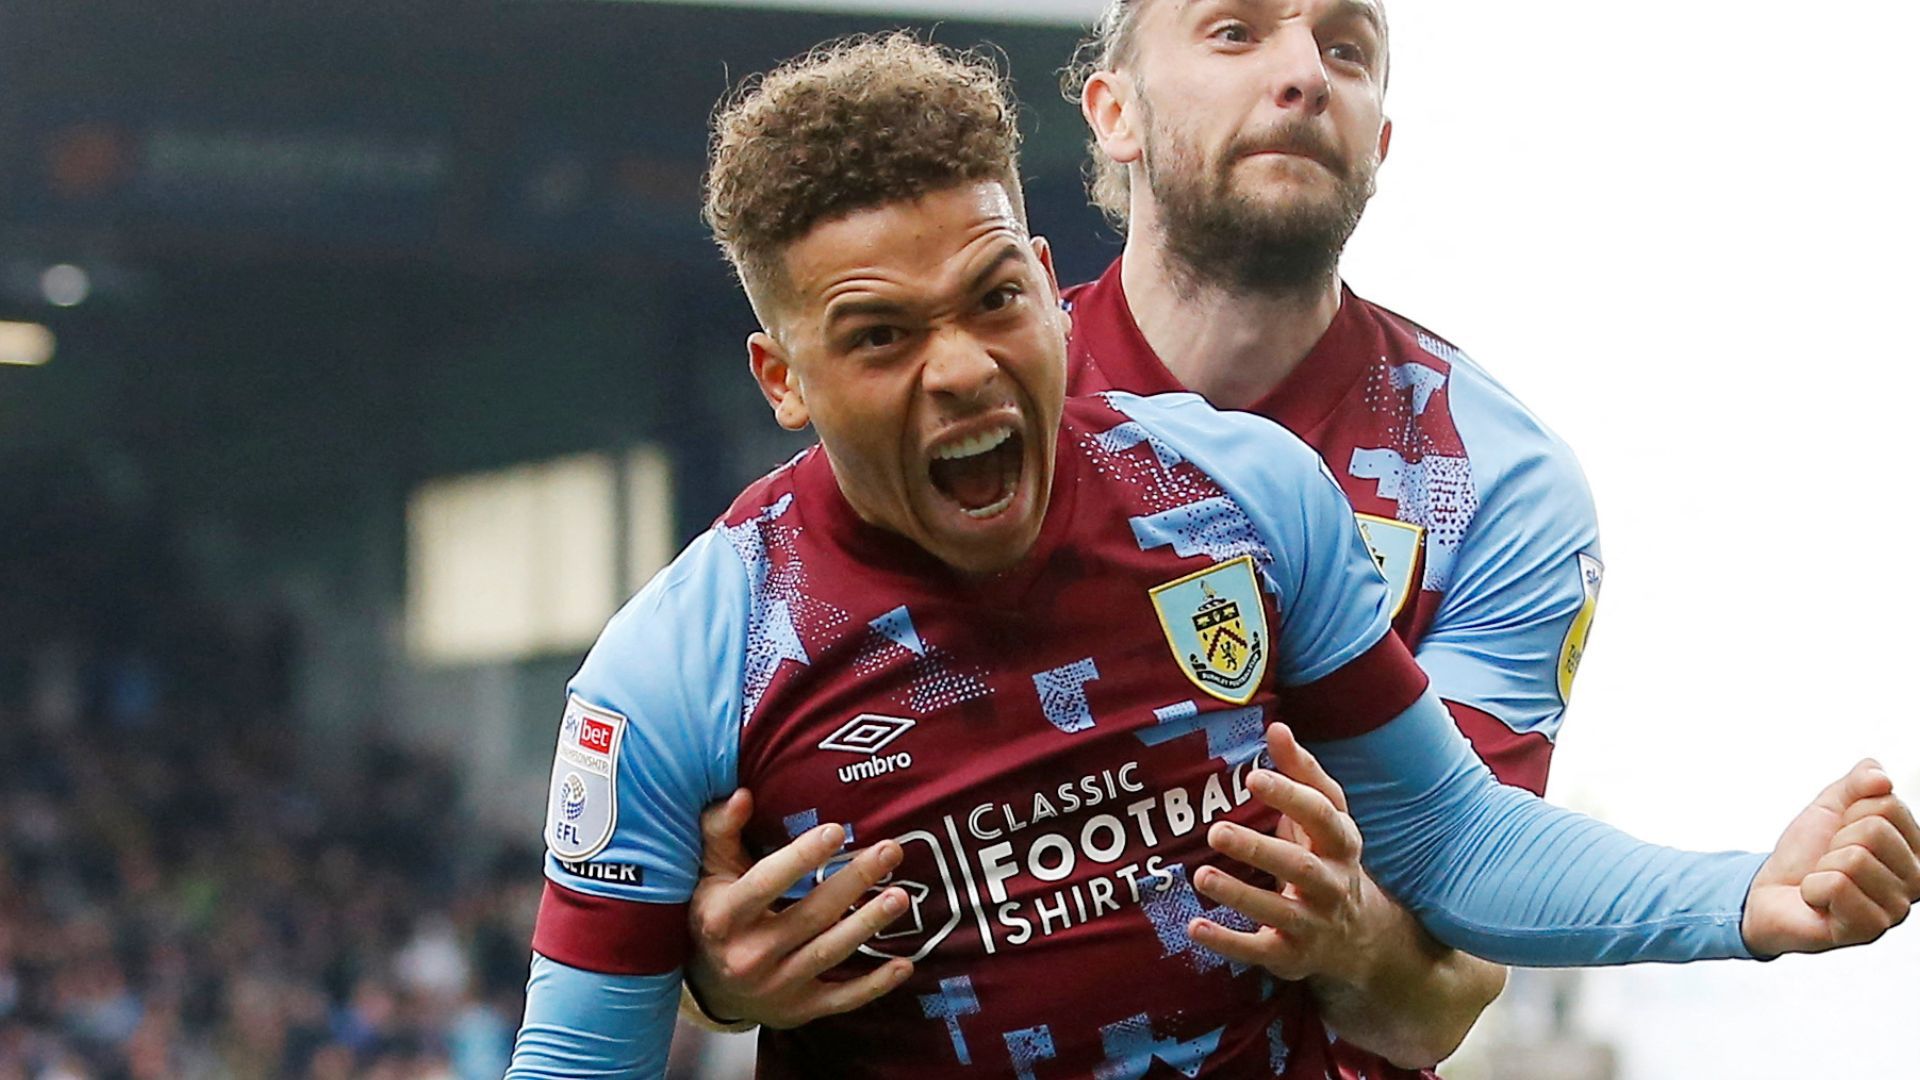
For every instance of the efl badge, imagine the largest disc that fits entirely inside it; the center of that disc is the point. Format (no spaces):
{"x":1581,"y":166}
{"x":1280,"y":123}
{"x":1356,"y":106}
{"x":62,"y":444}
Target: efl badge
{"x":1575,"y":645}
{"x":1396,"y":551}
{"x":583,"y":803}
{"x":1217,"y":628}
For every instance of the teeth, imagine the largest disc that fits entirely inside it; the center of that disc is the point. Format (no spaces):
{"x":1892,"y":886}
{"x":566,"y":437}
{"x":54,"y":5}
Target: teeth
{"x":978,"y":444}
{"x":989,"y":511}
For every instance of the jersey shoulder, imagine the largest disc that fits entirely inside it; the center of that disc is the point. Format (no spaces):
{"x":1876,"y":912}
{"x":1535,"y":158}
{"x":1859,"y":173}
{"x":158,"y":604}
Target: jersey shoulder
{"x":1502,"y":436}
{"x":650,"y":732}
{"x":706,"y":582}
{"x":1275,"y":500}
{"x":775,"y":488}
{"x":1522,"y":575}
{"x":1235,"y":449}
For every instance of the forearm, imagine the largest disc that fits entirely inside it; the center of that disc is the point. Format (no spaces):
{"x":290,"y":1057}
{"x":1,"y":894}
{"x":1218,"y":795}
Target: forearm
{"x":1414,"y":999}
{"x":581,"y":1024}
{"x":1491,"y":870}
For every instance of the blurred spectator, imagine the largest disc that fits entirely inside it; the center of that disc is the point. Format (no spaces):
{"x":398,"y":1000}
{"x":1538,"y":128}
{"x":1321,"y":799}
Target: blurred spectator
{"x":175,"y":901}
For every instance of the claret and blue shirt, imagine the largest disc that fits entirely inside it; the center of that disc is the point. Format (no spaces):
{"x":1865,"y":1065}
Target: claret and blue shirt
{"x":1415,"y":559}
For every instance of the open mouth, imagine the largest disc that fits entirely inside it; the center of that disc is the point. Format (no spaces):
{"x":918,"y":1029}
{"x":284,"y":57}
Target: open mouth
{"x":980,"y":474}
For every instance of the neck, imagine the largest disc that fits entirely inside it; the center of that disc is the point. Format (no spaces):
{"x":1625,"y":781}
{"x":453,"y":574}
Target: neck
{"x":1229,"y":347}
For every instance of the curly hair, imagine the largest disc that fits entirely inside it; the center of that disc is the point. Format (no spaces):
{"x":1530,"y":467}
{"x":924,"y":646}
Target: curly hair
{"x":854,"y":124}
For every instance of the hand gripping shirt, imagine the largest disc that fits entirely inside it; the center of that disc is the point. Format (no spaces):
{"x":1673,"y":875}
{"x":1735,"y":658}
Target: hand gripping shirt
{"x":1048,"y":746}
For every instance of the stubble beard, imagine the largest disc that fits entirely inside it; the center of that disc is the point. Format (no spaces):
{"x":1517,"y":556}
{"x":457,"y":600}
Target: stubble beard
{"x":1217,"y":236}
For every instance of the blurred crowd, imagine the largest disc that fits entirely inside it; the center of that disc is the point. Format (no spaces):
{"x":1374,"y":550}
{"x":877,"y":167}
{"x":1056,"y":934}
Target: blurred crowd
{"x":177,"y":899}
{"x":171,"y":905}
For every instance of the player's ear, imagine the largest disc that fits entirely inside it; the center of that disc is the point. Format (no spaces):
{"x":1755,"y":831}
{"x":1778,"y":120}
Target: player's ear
{"x":1386,"y":138}
{"x":778,"y":381}
{"x":1108,"y":106}
{"x":1044,"y":252}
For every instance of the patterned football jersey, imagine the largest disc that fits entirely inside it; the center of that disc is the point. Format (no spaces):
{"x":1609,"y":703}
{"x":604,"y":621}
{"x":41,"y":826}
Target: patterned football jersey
{"x":1048,"y":745}
{"x":1478,"y":515}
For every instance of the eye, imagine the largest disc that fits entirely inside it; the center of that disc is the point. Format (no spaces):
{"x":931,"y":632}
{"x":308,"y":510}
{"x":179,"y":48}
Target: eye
{"x":878,"y":337}
{"x":1348,"y":53}
{"x":1001,"y":298}
{"x":1234,"y":32}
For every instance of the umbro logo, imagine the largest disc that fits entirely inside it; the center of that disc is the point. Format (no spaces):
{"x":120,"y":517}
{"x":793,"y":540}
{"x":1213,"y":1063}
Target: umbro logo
{"x":867,"y":734}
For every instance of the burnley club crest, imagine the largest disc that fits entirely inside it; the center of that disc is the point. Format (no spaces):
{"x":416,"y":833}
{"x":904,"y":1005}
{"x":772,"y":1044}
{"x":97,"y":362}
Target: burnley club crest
{"x":1217,"y":628}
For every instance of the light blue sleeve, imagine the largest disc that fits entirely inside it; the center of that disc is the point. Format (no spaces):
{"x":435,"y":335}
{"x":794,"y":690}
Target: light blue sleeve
{"x":663,"y":685}
{"x":1494,"y":871}
{"x":1487,"y":868}
{"x":1283,"y":507}
{"x":580,"y":1024}
{"x":1521,"y":586}
{"x":669,"y":664}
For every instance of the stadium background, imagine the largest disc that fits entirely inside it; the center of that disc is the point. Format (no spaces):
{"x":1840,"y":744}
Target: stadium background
{"x":389,"y":354}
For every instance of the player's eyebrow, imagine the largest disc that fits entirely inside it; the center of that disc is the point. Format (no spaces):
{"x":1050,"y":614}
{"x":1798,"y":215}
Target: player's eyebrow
{"x":853,"y":309}
{"x":1007,"y":253}
{"x":881,"y":307}
{"x":1364,"y":10}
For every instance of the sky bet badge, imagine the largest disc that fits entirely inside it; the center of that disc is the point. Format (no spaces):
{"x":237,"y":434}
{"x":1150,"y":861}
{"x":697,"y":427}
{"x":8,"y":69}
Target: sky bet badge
{"x":1574,"y":645}
{"x":1217,"y":628}
{"x":582,"y":805}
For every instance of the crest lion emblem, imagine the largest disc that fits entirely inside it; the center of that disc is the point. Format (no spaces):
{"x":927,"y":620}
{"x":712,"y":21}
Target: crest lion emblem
{"x":1216,"y":626}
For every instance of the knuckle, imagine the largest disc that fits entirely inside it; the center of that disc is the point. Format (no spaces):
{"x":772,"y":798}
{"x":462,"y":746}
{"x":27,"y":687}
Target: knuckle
{"x":1852,"y":860}
{"x":710,"y":926}
{"x":1879,"y":830}
{"x":819,"y":955}
{"x":1350,"y":838}
{"x":742,"y":964}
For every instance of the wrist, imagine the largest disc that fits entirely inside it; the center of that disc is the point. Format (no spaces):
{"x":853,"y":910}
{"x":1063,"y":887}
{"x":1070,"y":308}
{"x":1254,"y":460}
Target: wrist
{"x":1369,"y":956}
{"x":696,"y":1009}
{"x":1388,"y":949}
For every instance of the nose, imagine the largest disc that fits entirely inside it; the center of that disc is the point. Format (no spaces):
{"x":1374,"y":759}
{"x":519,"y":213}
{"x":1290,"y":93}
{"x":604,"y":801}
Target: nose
{"x":1300,"y":74}
{"x":959,"y":366}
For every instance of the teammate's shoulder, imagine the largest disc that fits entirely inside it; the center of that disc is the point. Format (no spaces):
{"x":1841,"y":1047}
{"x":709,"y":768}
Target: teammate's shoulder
{"x":1436,"y":349}
{"x":1499,"y":430}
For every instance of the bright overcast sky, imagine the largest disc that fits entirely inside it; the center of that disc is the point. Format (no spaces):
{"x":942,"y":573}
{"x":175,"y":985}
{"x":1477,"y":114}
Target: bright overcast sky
{"x":1682,"y":233}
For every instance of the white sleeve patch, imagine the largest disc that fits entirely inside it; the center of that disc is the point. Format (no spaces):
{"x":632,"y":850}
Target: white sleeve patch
{"x":584,"y":803}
